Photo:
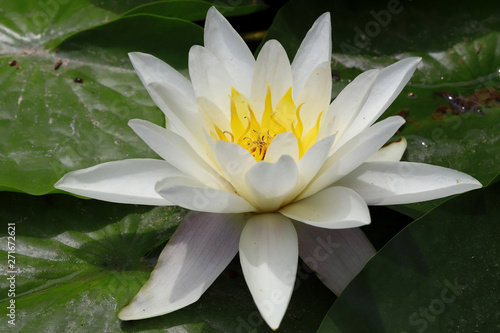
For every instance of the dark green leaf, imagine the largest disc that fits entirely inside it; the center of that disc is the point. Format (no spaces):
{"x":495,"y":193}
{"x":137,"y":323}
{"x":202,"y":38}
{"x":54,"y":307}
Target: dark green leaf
{"x":194,"y":10}
{"x":440,"y":274}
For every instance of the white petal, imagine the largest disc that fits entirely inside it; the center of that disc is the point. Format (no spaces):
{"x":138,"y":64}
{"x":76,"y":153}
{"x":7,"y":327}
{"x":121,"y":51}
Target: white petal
{"x":213,"y":115}
{"x":200,"y":249}
{"x":128,"y":181}
{"x":209,"y":77}
{"x":273,"y":68}
{"x":282,"y":144}
{"x":234,"y":162}
{"x":392,"y":152}
{"x":313,"y":159}
{"x":176,"y":151}
{"x":387,"y":87}
{"x":182,"y":113}
{"x":190,"y":194}
{"x":151,"y":69}
{"x":316,"y":95}
{"x":354,"y":153}
{"x":392,"y":183}
{"x":333,"y":208}
{"x":310,"y":164}
{"x":336,"y":255}
{"x":346,"y":105}
{"x":315,"y":49}
{"x":269,"y":256}
{"x":223,"y":41}
{"x":270,"y":183}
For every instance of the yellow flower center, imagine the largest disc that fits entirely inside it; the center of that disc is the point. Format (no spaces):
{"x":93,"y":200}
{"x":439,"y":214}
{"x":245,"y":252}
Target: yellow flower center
{"x":256,"y":136}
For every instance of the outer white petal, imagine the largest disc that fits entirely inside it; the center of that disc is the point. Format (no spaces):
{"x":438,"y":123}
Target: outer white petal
{"x":354,"y":153}
{"x":391,"y":183}
{"x":387,"y":87}
{"x":200,"y":249}
{"x":151,"y":69}
{"x":223,"y":41}
{"x":209,"y":77}
{"x":175,"y":150}
{"x":269,"y":256}
{"x":191,"y":194}
{"x":333,"y":208}
{"x":315,"y":95}
{"x":270,"y":184}
{"x":283,"y":144}
{"x":346,"y":105}
{"x":336,"y":255}
{"x":128,"y":181}
{"x":392,"y":152}
{"x":315,"y":49}
{"x":273,"y":68}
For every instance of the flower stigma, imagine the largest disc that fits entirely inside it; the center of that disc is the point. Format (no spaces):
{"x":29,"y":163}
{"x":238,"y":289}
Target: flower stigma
{"x":256,"y":136}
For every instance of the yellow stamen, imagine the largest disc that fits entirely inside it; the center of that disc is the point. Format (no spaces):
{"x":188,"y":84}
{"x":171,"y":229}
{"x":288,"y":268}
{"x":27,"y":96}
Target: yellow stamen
{"x":221,"y":134}
{"x":256,"y":137}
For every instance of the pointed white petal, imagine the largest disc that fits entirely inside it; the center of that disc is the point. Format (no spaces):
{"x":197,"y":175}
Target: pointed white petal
{"x":200,"y":249}
{"x":336,"y":255}
{"x":346,"y":105}
{"x":333,"y":208}
{"x":234,"y":162}
{"x":354,"y":153}
{"x":209,"y":77}
{"x":315,"y":49}
{"x":282,"y":144}
{"x":191,"y":194}
{"x":310,"y":164}
{"x":270,"y":184}
{"x":392,"y":152}
{"x":151,"y":69}
{"x":273,"y":68}
{"x":213,"y":115}
{"x":269,"y":256}
{"x":183,"y":117}
{"x":387,"y":87}
{"x":223,"y":41}
{"x":176,"y":151}
{"x":392,"y":183}
{"x":128,"y":181}
{"x":315,"y":95}
{"x":313,"y":159}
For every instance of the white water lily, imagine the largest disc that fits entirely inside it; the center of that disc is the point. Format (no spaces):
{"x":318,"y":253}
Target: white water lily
{"x":261,"y":137}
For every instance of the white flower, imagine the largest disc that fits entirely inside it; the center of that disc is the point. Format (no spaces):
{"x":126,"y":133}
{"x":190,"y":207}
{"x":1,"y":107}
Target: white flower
{"x":261,"y":137}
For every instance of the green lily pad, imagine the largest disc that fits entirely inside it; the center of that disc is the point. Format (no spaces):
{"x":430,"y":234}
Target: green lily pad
{"x":68,"y":109}
{"x":440,"y":274}
{"x":79,"y":262}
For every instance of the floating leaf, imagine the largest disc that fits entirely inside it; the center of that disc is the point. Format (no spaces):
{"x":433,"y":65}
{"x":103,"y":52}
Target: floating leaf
{"x":440,"y":274}
{"x":69,"y":109}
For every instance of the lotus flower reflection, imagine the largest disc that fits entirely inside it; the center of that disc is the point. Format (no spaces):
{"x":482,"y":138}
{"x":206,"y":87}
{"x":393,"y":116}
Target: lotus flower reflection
{"x":270,"y":166}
